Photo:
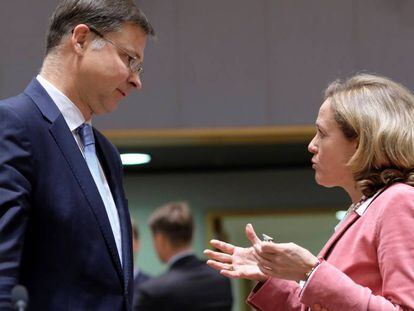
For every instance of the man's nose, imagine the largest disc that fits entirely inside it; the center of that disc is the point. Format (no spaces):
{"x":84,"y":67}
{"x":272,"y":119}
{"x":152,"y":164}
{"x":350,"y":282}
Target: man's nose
{"x":135,"y":81}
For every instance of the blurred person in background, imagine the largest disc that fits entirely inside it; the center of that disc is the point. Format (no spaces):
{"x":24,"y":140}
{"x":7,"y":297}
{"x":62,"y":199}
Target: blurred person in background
{"x":189,"y":283}
{"x":365,"y":145}
{"x":139,"y":276}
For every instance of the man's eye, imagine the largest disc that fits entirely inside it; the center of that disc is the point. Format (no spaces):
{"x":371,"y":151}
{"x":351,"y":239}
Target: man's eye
{"x":125,"y":57}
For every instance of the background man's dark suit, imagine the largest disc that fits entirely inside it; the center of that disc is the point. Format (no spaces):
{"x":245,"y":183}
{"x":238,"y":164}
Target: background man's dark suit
{"x":140,"y":278}
{"x":55,"y":235}
{"x":189,"y":284}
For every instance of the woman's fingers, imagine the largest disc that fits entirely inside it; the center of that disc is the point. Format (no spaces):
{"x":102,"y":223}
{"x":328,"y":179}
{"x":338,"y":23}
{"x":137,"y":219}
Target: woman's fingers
{"x":222,"y":257}
{"x":223,"y":246}
{"x":231,"y":274}
{"x":264,"y":265}
{"x":267,"y":250}
{"x":251,"y":235}
{"x":224,"y":268}
{"x":219,"y":265}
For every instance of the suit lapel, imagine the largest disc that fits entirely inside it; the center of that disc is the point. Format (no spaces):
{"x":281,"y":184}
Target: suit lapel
{"x":326,"y":250}
{"x":64,"y":139}
{"x":348,"y":222}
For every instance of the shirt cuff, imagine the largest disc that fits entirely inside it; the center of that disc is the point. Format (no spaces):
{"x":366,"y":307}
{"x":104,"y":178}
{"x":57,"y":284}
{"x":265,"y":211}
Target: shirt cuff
{"x":303,"y":284}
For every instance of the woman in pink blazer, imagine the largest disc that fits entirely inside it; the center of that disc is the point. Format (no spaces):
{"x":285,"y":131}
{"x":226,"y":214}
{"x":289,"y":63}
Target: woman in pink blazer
{"x":365,"y":145}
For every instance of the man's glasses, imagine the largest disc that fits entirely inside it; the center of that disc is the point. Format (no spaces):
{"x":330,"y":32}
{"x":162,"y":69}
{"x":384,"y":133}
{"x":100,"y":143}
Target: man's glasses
{"x":134,"y":64}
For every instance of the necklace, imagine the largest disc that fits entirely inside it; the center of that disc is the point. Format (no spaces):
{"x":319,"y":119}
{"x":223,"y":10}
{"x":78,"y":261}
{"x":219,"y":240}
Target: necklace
{"x":352,"y":208}
{"x":355,"y":206}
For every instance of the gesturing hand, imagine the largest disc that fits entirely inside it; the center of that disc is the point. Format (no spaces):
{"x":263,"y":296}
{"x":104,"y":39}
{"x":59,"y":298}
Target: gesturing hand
{"x":235,"y":261}
{"x":262,"y":260}
{"x":282,"y":260}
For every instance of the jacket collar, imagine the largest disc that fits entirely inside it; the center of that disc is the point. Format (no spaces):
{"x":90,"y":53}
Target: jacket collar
{"x":43,"y":101}
{"x":346,"y":224}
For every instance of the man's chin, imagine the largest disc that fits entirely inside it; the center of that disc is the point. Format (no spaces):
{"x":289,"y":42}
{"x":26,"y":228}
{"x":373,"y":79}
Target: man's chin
{"x":107,"y":109}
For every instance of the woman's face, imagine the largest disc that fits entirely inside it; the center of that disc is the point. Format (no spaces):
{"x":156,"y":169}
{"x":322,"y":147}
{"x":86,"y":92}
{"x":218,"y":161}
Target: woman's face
{"x":331,"y":151}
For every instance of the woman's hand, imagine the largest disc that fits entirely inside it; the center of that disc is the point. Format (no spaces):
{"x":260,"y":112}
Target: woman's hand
{"x":262,"y":260}
{"x":282,"y":260}
{"x":234,"y":261}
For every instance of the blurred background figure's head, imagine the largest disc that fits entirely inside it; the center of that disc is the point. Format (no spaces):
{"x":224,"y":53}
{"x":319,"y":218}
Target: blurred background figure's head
{"x":172,"y":229}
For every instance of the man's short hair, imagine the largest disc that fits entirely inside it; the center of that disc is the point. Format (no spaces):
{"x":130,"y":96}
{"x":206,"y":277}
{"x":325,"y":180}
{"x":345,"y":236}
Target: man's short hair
{"x":175,"y":221}
{"x":102,"y":15}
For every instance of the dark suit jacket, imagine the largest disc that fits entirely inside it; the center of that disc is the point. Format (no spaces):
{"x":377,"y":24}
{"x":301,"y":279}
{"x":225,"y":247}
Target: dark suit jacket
{"x":140,"y":278}
{"x":189,"y":284}
{"x":55,"y":234}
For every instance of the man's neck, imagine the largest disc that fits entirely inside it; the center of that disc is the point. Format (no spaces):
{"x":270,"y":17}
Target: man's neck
{"x":178,"y":254}
{"x":63,"y":83}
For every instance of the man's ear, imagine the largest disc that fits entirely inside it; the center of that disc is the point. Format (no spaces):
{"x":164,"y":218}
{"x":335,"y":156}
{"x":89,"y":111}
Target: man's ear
{"x":136,"y":245}
{"x":80,"y":37}
{"x":162,"y":240}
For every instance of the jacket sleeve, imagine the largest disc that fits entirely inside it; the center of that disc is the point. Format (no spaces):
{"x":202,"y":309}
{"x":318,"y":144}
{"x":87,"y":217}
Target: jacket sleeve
{"x":15,"y":189}
{"x":275,"y":295}
{"x":394,"y":239}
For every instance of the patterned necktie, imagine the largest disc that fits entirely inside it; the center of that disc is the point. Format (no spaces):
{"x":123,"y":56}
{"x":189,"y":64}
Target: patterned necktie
{"x":85,"y":133}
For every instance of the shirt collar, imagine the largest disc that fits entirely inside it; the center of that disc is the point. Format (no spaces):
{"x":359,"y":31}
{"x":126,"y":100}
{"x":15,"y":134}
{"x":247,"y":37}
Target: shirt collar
{"x":178,"y":256}
{"x":71,"y":113}
{"x":363,"y":207}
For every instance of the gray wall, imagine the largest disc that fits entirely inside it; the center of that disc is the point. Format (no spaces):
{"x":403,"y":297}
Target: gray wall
{"x":234,"y":62}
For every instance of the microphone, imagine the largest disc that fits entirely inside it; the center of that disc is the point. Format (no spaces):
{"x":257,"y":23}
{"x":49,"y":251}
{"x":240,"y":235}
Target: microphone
{"x":19,"y":297}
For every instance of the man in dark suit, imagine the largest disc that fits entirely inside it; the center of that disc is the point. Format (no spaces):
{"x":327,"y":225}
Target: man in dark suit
{"x":139,"y":276}
{"x":64,"y":223}
{"x":189,"y":284}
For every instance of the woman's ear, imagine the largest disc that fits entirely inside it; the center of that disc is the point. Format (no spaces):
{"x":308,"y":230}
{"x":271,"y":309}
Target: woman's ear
{"x":356,"y":143}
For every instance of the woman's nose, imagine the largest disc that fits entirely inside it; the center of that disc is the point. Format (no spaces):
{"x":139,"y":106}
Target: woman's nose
{"x":312,"y":146}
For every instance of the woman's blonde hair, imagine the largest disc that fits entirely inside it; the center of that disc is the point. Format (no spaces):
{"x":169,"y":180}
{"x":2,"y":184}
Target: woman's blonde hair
{"x":379,"y":113}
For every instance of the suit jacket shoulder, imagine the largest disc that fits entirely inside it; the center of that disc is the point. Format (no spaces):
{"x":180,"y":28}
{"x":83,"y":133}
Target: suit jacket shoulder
{"x":189,"y":284}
